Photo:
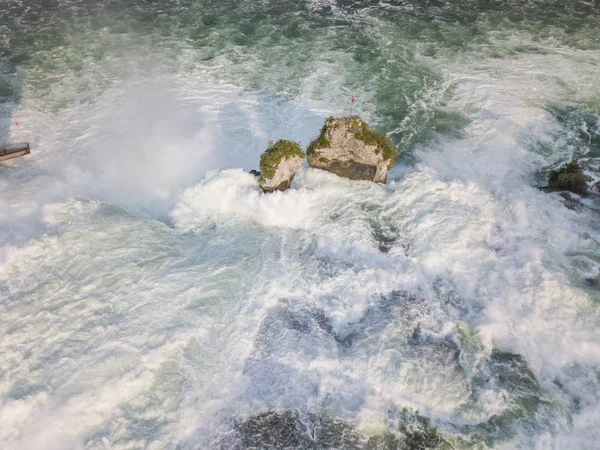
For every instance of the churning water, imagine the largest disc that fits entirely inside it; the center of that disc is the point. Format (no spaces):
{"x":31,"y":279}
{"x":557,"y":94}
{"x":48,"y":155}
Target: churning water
{"x":152,"y":297}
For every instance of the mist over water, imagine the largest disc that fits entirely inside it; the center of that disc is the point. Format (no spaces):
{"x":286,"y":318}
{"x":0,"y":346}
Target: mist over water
{"x":151,"y":296}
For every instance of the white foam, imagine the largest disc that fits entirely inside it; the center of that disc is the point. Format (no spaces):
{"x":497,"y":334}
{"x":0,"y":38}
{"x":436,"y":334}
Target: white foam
{"x":115,"y":323}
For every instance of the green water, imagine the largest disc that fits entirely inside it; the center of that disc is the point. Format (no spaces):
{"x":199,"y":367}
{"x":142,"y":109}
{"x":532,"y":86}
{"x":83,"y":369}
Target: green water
{"x":151,"y":298}
{"x":389,"y":55}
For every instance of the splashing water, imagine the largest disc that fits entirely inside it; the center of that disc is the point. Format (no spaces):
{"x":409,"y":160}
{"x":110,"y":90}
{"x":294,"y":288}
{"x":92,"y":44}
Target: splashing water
{"x":152,"y":297}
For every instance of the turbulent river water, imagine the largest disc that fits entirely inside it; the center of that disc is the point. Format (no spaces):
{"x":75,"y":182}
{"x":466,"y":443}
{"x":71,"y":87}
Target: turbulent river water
{"x":152,"y":297}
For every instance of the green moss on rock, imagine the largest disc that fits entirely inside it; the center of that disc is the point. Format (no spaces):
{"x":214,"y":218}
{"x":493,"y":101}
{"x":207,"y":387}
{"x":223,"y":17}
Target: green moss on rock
{"x":569,"y":177}
{"x":275,"y":153}
{"x":321,"y":141}
{"x":362,"y":132}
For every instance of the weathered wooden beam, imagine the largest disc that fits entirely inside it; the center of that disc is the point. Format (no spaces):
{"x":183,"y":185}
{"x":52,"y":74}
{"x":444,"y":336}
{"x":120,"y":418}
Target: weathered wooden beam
{"x":14,"y":150}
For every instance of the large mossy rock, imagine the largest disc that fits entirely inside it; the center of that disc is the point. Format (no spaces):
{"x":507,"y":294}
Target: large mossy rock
{"x":279,"y":164}
{"x":569,"y":177}
{"x":350,"y":149}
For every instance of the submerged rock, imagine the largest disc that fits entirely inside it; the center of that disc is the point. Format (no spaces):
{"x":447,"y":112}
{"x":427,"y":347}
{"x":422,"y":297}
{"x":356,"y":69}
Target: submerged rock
{"x":350,"y":149}
{"x":279,"y":164}
{"x":289,"y":428}
{"x":278,"y":429}
{"x":569,"y":177}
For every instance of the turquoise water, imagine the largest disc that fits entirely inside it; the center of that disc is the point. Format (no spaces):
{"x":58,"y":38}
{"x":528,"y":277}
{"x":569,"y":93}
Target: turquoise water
{"x":152,"y":297}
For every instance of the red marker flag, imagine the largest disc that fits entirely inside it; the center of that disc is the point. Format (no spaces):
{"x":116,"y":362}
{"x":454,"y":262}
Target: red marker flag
{"x":16,"y":123}
{"x":353,"y":99}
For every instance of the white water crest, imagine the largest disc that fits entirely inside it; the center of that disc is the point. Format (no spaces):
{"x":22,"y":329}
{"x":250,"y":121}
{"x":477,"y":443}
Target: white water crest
{"x":151,"y":296}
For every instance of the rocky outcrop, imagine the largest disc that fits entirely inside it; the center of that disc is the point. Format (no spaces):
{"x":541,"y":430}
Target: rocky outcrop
{"x":569,"y":177}
{"x":350,"y":149}
{"x":279,"y":164}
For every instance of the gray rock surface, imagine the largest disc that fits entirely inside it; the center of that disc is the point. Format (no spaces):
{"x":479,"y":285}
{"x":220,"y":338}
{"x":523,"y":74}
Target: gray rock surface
{"x":279,"y":164}
{"x":284,"y":175}
{"x":350,"y":149}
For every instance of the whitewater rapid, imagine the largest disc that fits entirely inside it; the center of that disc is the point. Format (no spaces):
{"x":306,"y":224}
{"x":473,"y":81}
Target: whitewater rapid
{"x":151,"y":296}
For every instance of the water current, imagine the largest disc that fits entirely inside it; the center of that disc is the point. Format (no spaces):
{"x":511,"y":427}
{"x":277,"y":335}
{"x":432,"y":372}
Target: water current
{"x":152,"y":297}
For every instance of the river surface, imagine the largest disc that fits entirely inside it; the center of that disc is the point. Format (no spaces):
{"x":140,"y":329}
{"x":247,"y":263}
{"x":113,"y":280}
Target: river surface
{"x":151,"y":297}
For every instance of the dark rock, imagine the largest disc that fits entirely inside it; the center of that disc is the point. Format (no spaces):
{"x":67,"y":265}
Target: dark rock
{"x":277,"y":429}
{"x":569,"y":177}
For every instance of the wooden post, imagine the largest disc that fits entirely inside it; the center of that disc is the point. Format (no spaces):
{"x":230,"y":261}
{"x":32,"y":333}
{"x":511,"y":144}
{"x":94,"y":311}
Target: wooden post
{"x":14,"y":150}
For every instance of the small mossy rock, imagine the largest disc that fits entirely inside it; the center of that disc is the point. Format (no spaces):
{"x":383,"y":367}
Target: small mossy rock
{"x":569,"y":177}
{"x":347,"y":147}
{"x":279,"y":164}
